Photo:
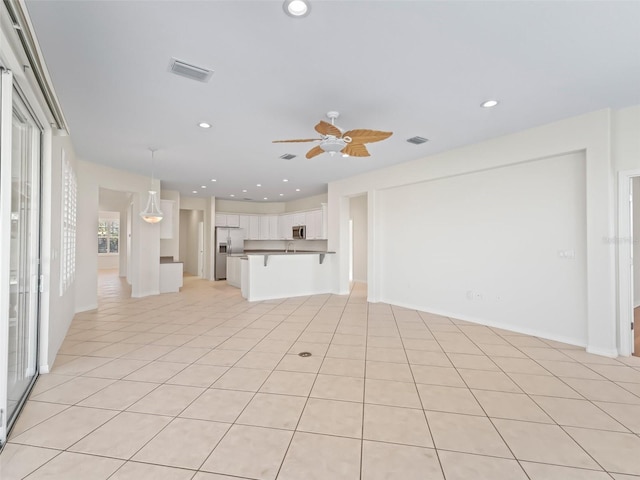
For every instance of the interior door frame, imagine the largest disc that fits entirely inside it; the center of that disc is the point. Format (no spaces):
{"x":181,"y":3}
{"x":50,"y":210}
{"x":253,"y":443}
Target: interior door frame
{"x":625,"y":259}
{"x":10,"y":92}
{"x":6,"y":109}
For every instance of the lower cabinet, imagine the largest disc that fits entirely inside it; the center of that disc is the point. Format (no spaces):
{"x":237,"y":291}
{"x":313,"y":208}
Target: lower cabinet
{"x":234,"y":275}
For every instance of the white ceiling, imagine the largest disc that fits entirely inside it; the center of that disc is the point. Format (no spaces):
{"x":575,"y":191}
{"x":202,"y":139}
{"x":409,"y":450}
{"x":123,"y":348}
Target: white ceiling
{"x":412,"y":67}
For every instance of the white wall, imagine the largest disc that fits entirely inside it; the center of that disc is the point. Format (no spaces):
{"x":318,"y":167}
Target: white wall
{"x":189,"y":220}
{"x":590,"y":133}
{"x":636,"y":241}
{"x":308,"y":203}
{"x":170,"y":247}
{"x":358,"y":214}
{"x":485,"y":247}
{"x":58,"y":308}
{"x":240,"y":206}
{"x":145,"y":238}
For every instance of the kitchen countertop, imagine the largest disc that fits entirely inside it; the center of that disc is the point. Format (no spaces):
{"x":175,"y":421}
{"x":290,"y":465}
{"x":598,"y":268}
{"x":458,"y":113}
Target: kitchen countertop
{"x":168,"y":260}
{"x":278,"y":252}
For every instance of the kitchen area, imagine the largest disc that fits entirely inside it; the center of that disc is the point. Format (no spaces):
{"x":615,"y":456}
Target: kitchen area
{"x":271,"y":256}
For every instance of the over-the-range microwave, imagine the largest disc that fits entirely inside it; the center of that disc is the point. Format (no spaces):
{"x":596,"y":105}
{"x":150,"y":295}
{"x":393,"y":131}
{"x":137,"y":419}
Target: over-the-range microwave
{"x":299,"y":232}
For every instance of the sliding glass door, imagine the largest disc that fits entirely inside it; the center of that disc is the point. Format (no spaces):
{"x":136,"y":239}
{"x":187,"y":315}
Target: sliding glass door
{"x":20,"y":266}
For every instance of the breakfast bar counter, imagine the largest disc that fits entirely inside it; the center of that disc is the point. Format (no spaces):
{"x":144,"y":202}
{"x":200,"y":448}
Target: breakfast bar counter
{"x":268,"y":275}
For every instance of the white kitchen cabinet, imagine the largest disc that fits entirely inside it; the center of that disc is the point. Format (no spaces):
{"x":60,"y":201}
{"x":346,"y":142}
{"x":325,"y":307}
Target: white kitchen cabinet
{"x":264,"y":227}
{"x":286,"y":226}
{"x":243,"y":221}
{"x":274,"y":233}
{"x":254,"y":227}
{"x":299,"y":219}
{"x":221,"y":219}
{"x":325,"y":221}
{"x":233,"y":220}
{"x":233,"y":271}
{"x":313,"y":221}
{"x":227,"y":220}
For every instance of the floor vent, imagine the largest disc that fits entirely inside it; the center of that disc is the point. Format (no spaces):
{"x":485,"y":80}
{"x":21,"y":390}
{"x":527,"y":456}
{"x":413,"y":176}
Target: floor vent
{"x":287,"y":156}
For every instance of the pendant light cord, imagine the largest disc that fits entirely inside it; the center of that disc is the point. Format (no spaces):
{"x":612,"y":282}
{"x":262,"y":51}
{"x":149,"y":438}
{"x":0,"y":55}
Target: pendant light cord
{"x":153,"y":151}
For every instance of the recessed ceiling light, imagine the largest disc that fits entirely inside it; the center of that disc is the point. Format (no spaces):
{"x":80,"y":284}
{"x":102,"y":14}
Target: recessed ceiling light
{"x":244,"y":191}
{"x":285,"y":180}
{"x":489,"y":104}
{"x":345,"y":155}
{"x":266,"y":198}
{"x":282,"y":194}
{"x":258,"y":184}
{"x":296,"y":8}
{"x":213,"y":180}
{"x":232,"y":195}
{"x":203,"y":186}
{"x":297,"y":189}
{"x":195,"y":191}
{"x":204,"y":125}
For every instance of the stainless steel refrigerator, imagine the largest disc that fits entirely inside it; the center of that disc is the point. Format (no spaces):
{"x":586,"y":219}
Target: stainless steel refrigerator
{"x":228,"y":241}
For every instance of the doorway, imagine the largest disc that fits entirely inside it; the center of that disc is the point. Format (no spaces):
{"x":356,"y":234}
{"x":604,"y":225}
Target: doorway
{"x":191,"y":241}
{"x":628,"y":249}
{"x":359,"y":238}
{"x":635,"y":255}
{"x":20,"y":162}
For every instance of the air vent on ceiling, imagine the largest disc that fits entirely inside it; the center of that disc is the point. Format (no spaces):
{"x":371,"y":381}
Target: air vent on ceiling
{"x":287,"y":156}
{"x":248,"y":199}
{"x":417,"y":140}
{"x":190,"y":71}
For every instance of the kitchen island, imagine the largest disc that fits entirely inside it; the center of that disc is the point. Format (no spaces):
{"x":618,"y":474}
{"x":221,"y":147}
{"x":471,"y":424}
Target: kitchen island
{"x":268,"y":275}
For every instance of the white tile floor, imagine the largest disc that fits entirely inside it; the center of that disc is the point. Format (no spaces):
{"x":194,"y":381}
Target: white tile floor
{"x":202,"y":385}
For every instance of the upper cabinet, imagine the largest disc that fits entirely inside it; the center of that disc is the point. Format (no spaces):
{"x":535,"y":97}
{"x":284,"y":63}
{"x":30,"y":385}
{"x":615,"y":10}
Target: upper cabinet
{"x":313,"y":221}
{"x":276,"y":227}
{"x":227,"y":220}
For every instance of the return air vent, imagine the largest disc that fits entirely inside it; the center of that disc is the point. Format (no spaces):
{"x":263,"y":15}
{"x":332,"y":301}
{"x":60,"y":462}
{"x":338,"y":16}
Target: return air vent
{"x":417,"y":140}
{"x":190,"y":71}
{"x":287,"y":156}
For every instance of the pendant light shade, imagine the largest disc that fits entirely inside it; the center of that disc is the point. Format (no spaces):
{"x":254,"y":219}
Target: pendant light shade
{"x":152,"y":213}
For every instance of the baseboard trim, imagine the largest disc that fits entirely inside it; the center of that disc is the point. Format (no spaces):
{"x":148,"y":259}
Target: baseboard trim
{"x":44,"y":369}
{"x":481,"y":321}
{"x":603,"y":352}
{"x":86,"y":308}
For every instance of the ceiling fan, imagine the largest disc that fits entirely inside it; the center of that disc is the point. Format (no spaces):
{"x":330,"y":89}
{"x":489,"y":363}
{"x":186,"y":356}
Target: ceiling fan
{"x":335,"y":139}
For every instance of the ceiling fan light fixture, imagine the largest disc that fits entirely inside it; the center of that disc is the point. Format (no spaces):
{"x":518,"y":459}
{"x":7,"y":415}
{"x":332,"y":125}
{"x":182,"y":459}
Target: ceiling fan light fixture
{"x":296,"y":8}
{"x":333,"y":145}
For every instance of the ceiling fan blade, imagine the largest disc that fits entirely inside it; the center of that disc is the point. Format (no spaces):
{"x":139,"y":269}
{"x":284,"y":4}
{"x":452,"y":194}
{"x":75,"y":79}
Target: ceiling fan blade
{"x":315,"y":151}
{"x":298,"y":140}
{"x":367,"y":136}
{"x":324,"y":128}
{"x":355,"y":150}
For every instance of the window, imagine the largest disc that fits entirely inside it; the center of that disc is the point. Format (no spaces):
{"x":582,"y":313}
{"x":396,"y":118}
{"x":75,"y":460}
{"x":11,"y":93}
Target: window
{"x":108,"y":236}
{"x":68,"y":243}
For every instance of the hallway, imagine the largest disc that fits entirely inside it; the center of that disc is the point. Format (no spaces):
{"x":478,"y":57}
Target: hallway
{"x":202,"y":385}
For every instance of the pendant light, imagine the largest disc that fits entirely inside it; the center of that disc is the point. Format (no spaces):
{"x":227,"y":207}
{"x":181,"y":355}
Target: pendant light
{"x":152,"y":213}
